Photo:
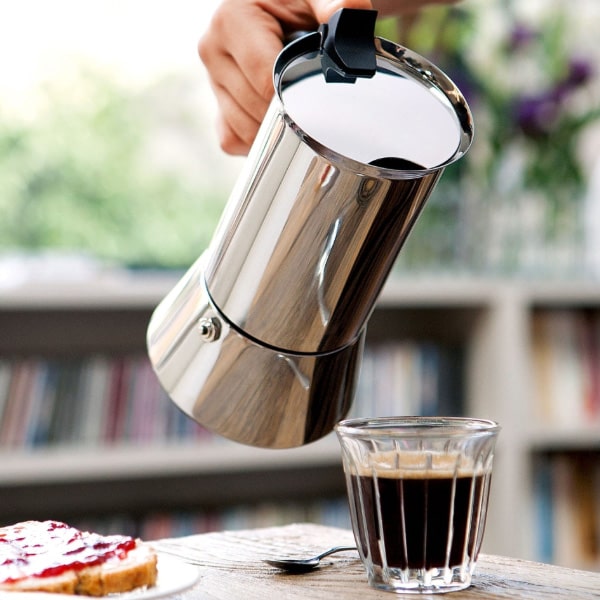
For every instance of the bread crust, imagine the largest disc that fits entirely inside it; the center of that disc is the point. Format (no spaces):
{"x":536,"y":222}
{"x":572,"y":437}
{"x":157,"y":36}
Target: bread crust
{"x":138,"y":568}
{"x":65,"y":583}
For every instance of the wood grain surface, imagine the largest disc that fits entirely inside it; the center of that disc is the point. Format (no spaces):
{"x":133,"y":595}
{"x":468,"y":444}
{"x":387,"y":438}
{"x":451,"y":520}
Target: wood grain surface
{"x":231,"y":567}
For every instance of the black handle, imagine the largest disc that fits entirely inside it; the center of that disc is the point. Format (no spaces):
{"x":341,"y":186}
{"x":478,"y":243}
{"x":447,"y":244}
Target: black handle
{"x":348,"y":48}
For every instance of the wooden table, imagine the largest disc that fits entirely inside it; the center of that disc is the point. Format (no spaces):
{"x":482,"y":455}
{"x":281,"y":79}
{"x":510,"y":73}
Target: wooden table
{"x":231,"y":567}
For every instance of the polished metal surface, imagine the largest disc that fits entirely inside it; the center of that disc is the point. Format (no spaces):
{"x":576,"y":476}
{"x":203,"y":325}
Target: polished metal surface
{"x":242,"y":390}
{"x":261,"y":341}
{"x":300,"y":261}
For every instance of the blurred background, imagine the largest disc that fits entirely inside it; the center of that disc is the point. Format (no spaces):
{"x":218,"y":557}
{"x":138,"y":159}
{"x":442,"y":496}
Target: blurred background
{"x":112,"y":182}
{"x":106,"y":133}
{"x":107,"y":143}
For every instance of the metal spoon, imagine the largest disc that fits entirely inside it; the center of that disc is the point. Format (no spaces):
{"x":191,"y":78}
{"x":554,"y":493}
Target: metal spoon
{"x":302,"y":565}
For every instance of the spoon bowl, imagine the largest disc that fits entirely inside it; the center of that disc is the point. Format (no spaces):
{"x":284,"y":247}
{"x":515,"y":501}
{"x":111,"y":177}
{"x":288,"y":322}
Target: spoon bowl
{"x":303,"y":565}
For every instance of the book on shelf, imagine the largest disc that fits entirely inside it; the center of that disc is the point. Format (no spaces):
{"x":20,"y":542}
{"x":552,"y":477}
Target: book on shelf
{"x":88,"y":401}
{"x":544,"y":515}
{"x":567,"y":502}
{"x":566,"y":366}
{"x":411,"y":378}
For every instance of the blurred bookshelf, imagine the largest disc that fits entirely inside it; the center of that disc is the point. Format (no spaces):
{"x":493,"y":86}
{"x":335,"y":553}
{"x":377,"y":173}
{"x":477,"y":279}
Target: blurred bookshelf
{"x":87,"y":435}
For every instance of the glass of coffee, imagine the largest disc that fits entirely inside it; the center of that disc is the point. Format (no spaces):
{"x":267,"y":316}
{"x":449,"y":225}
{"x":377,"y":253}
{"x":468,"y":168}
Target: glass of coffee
{"x":418,"y":491}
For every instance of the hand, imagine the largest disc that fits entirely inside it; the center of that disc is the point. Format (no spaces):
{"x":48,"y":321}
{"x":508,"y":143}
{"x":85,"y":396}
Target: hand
{"x":239,"y":50}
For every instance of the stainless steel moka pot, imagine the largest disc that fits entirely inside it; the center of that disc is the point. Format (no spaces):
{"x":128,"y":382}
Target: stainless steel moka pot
{"x":261,"y":341}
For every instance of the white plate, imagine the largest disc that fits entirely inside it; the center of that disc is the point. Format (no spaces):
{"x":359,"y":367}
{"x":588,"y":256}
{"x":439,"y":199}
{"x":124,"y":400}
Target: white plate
{"x":173,"y":576}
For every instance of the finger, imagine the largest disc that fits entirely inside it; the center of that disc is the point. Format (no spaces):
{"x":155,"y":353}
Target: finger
{"x":229,"y":141}
{"x":254,"y":63}
{"x":236,"y":128}
{"x":232,"y":79}
{"x":324,"y":9}
{"x":408,"y":7}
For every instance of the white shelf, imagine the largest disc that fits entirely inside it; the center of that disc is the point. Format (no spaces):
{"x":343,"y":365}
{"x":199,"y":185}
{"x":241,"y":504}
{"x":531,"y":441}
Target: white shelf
{"x":70,"y":464}
{"x":572,"y":437}
{"x":129,"y":288}
{"x":445,"y":292}
{"x":112,"y":289}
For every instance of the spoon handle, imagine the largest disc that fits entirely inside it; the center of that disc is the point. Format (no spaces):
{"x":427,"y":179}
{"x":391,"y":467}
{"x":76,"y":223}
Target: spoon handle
{"x":336,"y":549}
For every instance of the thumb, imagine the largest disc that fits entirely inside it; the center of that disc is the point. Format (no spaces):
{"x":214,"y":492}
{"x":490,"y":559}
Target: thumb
{"x":324,"y":9}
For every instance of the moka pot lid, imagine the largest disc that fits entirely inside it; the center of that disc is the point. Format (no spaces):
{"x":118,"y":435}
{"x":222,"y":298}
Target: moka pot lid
{"x":368,"y":102}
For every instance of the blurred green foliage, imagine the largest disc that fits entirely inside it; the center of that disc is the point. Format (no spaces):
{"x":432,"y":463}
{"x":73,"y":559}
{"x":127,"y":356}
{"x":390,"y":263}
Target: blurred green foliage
{"x":531,"y":78}
{"x":83,"y":172}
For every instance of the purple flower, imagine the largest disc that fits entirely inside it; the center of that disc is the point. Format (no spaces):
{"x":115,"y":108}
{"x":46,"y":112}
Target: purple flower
{"x":580,"y":72}
{"x":535,"y":115}
{"x":520,"y":36}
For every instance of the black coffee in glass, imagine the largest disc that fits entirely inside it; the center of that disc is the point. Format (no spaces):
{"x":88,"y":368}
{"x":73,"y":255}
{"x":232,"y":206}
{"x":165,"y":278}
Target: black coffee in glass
{"x":418,"y":491}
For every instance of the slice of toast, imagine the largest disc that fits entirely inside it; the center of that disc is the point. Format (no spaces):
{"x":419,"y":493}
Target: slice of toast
{"x":39,"y":557}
